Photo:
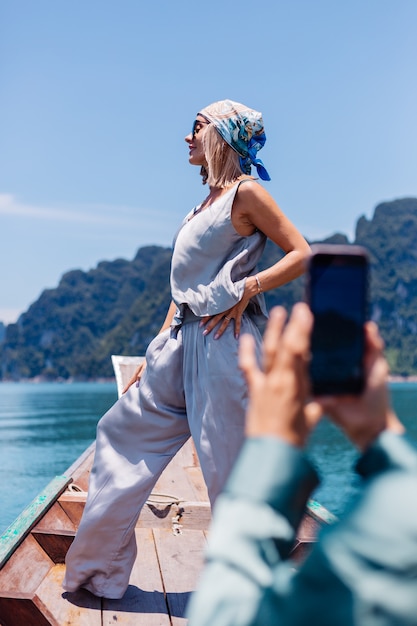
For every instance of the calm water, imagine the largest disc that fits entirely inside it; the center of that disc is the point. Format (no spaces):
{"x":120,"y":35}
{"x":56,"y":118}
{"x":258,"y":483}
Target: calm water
{"x":335,"y":456}
{"x":45,"y":427}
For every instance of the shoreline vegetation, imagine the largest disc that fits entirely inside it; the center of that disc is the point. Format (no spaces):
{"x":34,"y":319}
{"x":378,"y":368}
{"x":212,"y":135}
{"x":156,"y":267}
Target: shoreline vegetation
{"x":402,"y":379}
{"x":119,"y":306}
{"x":36,"y":380}
{"x":111,"y":379}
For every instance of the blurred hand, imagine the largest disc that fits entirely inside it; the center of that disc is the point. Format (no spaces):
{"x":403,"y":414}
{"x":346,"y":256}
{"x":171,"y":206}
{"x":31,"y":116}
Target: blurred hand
{"x":364,"y":417}
{"x":136,"y":376}
{"x":278,"y":394}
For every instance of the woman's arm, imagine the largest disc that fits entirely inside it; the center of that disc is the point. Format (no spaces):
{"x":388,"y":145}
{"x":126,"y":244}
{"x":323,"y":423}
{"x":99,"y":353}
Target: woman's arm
{"x":141,"y":368}
{"x":255,"y":209}
{"x":169,"y":317}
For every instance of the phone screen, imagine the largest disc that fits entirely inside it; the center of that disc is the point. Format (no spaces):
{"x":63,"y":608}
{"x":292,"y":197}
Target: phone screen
{"x":338,"y":300}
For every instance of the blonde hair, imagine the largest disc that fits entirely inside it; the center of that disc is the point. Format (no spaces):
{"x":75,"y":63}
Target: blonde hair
{"x":223,"y":166}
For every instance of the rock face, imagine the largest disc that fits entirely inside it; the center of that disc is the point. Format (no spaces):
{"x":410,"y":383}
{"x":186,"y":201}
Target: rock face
{"x":119,"y":306}
{"x":391,"y":238}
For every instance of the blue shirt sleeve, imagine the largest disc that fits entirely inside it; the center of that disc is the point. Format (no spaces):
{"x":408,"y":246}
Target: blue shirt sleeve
{"x":363,"y":570}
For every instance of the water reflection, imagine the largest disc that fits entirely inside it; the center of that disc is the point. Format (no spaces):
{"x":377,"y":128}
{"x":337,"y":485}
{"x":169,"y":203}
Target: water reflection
{"x":45,"y":427}
{"x":334,"y":456}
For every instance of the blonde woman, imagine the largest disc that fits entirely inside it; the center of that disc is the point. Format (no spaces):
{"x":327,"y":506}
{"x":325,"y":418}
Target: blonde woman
{"x":191,"y":384}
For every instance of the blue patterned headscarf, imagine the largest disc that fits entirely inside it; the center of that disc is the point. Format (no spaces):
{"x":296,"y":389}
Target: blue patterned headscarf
{"x":242,"y":128}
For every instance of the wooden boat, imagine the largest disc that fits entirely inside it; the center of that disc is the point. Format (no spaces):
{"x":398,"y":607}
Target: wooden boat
{"x":171,"y":531}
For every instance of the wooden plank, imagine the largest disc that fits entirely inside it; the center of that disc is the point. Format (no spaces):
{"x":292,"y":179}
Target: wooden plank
{"x":73,"y":504}
{"x":195,"y":477}
{"x":175,"y":484}
{"x":187,"y":515}
{"x":301,"y":550}
{"x":193,"y":516}
{"x":179,"y":480}
{"x":181,"y":559}
{"x":308,"y":529}
{"x":55,"y":532}
{"x":21,"y":575}
{"x":21,"y":612}
{"x":320,"y":513}
{"x":144,"y":602}
{"x":174,"y":481}
{"x":55,"y":543}
{"x":315,"y":517}
{"x":156,"y":514}
{"x":187,"y":456}
{"x":80,"y":608}
{"x":81,"y":468}
{"x":15,"y":534}
{"x":56,"y":519}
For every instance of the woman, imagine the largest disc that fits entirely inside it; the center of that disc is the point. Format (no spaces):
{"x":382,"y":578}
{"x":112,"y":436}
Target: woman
{"x":192,"y":383}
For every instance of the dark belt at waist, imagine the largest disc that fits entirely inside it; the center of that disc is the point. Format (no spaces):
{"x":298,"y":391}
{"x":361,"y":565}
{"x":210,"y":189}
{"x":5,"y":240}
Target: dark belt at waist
{"x":189,"y":316}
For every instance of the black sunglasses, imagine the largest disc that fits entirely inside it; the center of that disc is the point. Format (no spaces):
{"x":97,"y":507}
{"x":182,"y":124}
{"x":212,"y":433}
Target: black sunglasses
{"x":197,"y":126}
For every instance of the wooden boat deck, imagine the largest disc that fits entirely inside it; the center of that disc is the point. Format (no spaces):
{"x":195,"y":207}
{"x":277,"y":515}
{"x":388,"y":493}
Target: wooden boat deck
{"x":171,"y":536}
{"x":171,"y":533}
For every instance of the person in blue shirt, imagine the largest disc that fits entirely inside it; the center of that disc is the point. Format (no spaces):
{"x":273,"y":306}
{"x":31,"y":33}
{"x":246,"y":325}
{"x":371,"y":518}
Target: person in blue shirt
{"x":363,"y":568}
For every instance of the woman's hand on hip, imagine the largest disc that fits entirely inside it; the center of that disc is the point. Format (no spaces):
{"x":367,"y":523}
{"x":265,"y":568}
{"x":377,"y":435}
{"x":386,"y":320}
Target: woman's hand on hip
{"x":221,"y":321}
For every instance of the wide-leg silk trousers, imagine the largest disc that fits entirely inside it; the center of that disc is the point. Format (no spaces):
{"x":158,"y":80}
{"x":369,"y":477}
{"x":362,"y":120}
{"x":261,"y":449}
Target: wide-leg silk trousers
{"x":191,"y":386}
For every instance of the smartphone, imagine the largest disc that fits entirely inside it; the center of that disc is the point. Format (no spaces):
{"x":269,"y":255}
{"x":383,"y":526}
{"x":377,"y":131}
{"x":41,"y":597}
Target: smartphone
{"x":337,"y":293}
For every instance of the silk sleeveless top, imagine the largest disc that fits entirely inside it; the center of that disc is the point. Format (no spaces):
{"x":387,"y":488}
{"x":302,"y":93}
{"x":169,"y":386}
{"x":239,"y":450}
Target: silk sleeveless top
{"x":211,"y":261}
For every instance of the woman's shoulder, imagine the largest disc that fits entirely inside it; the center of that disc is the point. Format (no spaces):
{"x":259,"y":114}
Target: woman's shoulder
{"x":249,"y":190}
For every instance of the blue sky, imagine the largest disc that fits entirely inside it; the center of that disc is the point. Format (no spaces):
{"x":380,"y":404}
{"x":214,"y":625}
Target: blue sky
{"x":96,"y":97}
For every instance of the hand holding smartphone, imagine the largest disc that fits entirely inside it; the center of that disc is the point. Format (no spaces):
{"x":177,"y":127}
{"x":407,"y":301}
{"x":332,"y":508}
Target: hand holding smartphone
{"x":337,"y":293}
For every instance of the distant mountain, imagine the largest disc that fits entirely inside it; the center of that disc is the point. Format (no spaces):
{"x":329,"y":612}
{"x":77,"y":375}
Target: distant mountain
{"x":391,"y":238}
{"x":70,"y":331}
{"x":118,"y":307}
